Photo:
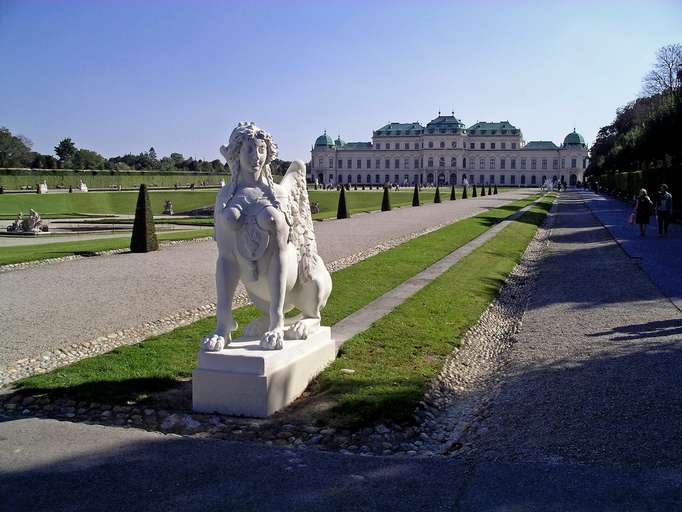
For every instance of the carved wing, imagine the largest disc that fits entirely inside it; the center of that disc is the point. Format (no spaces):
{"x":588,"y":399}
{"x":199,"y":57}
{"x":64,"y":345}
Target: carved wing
{"x":302,"y":234}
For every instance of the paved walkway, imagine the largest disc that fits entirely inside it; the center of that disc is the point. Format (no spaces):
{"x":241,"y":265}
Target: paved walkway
{"x":659,"y":257}
{"x":51,"y":306}
{"x":590,"y":402}
{"x":587,"y":417}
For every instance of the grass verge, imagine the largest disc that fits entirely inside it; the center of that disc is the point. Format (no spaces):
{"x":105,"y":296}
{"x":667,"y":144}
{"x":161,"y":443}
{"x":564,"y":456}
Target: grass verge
{"x":33,"y":252}
{"x":132,"y":373}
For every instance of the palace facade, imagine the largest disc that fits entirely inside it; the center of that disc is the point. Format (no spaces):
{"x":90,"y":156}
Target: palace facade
{"x":444,"y":152}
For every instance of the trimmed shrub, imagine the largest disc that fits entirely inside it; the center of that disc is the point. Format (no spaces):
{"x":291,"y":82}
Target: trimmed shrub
{"x":482,"y":190}
{"x":473,"y":192}
{"x":386,"y":201}
{"x":144,"y":231}
{"x":465,"y":193}
{"x":453,"y":196}
{"x":342,"y":210}
{"x":490,"y":190}
{"x":436,"y":198}
{"x":415,"y":195}
{"x":495,"y":189}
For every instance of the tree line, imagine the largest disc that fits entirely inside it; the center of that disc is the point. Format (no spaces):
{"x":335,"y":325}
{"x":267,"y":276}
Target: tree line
{"x":645,"y":135}
{"x":16,"y":152}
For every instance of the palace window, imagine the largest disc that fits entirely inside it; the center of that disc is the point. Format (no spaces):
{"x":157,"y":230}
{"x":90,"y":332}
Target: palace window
{"x":482,"y":145}
{"x":359,"y":164}
{"x":442,"y":145}
{"x":523,"y":179}
{"x":492,"y":145}
{"x":407,"y":145}
{"x":416,"y":163}
{"x":406,"y":163}
{"x":320,"y":163}
{"x":441,"y":162}
{"x":453,"y":162}
{"x":430,"y":143}
{"x":523,"y":163}
{"x":573,"y":163}
{"x":397,"y":163}
{"x":464,"y":162}
{"x":481,"y":163}
{"x":492,"y":163}
{"x":503,"y":163}
{"x":377,"y":163}
{"x":350,"y":179}
{"x":513,"y":145}
{"x":512,"y":163}
{"x":359,"y":180}
{"x":533,"y":180}
{"x":340,"y":164}
{"x":492,"y":179}
{"x":563,"y":163}
{"x":472,"y":145}
{"x":513,"y":179}
{"x":481,"y":178}
{"x":430,"y":162}
{"x":388,"y":145}
{"x":386,"y":178}
{"x":544,"y":163}
{"x":377,"y":179}
{"x":416,"y":145}
{"x":555,"y":163}
{"x":501,"y":179}
{"x":396,"y":178}
{"x":378,"y":146}
{"x":331,"y":163}
{"x":504,"y":145}
{"x":350,"y":163}
{"x":454,"y":144}
{"x":369,"y":163}
{"x":387,"y":164}
{"x":533,"y":164}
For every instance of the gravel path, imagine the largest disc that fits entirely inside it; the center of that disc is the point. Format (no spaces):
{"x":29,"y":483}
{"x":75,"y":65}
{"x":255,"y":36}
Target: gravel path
{"x":590,"y":395}
{"x":56,"y":305}
{"x":659,"y":257}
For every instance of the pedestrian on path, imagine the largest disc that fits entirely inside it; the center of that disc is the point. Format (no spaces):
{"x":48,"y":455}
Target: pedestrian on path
{"x":643,"y":209}
{"x":665,"y":209}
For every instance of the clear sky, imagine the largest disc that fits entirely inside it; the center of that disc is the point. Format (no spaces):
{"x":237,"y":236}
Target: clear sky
{"x":120,"y":76}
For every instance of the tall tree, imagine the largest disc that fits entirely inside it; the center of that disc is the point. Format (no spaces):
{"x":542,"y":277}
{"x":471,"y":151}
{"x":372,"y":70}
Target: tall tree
{"x":14,"y":151}
{"x":65,"y":149}
{"x":665,"y":76}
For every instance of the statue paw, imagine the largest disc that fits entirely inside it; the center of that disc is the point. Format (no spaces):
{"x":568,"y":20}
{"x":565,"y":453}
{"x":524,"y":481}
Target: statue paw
{"x":213,"y":343}
{"x":272,"y":340}
{"x":299,"y":331}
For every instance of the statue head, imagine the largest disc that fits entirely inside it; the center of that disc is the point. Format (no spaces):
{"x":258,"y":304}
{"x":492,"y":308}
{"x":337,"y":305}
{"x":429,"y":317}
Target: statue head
{"x":251,"y":150}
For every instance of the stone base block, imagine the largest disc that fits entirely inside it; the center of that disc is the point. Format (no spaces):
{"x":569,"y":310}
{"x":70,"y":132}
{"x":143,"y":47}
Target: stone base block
{"x":243,"y":380}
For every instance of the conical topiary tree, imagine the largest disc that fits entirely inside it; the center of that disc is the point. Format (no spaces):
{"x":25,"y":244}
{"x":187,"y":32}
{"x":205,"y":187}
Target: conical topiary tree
{"x":386,"y":201}
{"x":415,"y":195}
{"x":473,"y":192}
{"x":495,"y":189}
{"x":144,"y":231}
{"x":490,"y":191}
{"x":342,"y":210}
{"x":465,"y":192}
{"x":436,"y":198}
{"x":453,"y":196}
{"x":482,"y":190}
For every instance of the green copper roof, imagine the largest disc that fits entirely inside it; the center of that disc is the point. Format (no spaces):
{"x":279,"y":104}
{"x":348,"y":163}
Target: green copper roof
{"x":356,"y":145}
{"x":324,"y":140}
{"x":399,"y":129}
{"x":445,"y":122}
{"x":486,"y":128}
{"x":574,"y":138}
{"x":540,"y":144}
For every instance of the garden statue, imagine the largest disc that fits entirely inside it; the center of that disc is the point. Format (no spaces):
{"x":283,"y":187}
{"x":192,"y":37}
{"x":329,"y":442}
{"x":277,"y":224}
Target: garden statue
{"x":82,"y":186}
{"x":168,"y":208}
{"x":32,"y":224}
{"x":265,"y":237}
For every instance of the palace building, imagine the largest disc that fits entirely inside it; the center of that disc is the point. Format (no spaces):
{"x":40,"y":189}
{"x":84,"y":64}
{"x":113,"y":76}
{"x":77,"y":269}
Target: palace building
{"x":444,"y":152}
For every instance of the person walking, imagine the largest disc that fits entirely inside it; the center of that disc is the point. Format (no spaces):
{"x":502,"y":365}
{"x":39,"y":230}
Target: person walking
{"x":665,"y":209}
{"x":643,"y":209}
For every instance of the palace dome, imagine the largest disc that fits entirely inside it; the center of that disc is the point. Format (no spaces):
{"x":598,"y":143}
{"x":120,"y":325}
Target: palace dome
{"x":324,"y":140}
{"x":574,"y":138}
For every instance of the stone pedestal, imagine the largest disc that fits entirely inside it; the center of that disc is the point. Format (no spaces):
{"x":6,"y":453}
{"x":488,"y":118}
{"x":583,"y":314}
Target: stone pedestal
{"x":244,"y":380}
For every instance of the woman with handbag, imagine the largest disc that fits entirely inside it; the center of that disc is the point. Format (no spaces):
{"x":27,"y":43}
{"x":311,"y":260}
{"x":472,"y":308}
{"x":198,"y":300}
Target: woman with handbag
{"x":643,"y":208}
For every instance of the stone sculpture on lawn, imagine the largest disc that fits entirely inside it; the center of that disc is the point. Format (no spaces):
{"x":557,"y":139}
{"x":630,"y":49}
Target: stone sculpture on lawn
{"x":265,"y":237}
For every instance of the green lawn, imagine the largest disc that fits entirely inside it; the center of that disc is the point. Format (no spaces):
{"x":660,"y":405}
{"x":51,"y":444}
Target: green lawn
{"x":52,"y":205}
{"x":131,"y":373}
{"x":21,"y":253}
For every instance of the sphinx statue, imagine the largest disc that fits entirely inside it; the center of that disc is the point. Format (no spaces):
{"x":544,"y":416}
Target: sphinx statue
{"x":265,"y":237}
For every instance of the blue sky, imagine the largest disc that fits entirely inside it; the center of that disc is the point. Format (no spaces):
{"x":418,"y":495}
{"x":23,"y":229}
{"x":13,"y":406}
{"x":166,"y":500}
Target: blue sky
{"x":120,"y":76}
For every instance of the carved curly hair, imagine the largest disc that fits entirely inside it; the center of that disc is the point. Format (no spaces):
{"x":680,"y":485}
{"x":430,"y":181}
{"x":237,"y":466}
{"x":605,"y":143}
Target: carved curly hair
{"x":249,"y":131}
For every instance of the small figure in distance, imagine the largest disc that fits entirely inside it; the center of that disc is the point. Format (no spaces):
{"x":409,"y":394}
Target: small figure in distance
{"x":643,"y":208}
{"x":664,"y":210}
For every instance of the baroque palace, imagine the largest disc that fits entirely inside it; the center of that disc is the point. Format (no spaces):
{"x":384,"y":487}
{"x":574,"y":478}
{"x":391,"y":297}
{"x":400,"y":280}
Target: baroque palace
{"x":445,"y":152}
